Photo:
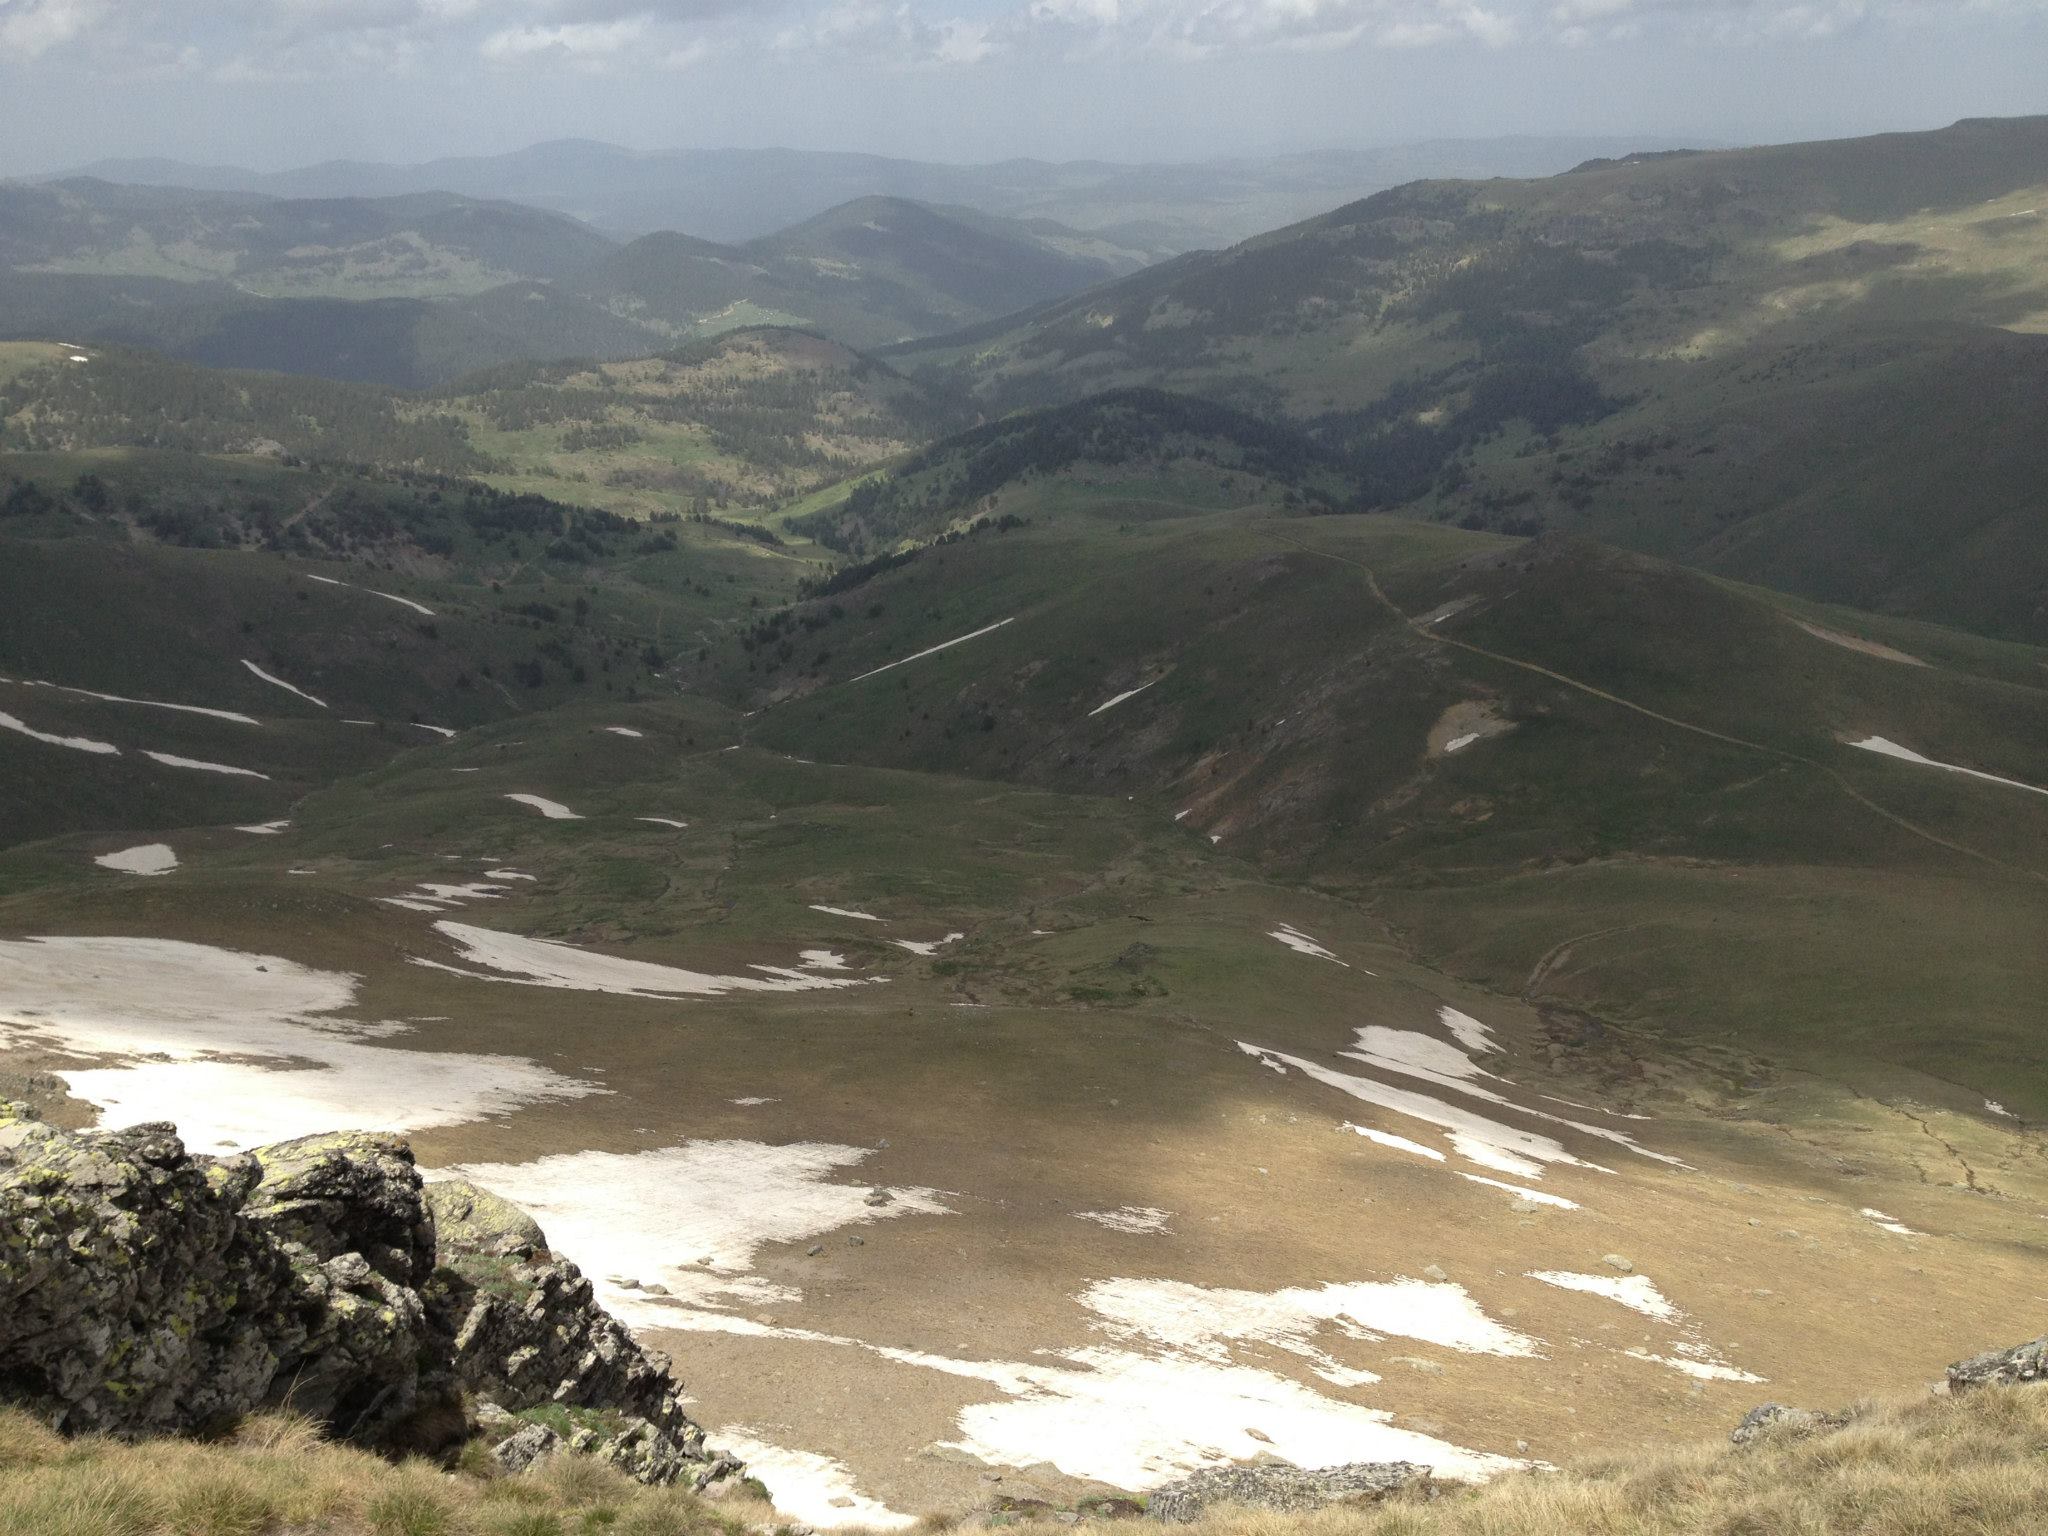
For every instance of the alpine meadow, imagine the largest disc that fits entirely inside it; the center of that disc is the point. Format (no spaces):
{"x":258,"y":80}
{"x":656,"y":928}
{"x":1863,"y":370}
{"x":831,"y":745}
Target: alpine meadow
{"x":1230,"y":764}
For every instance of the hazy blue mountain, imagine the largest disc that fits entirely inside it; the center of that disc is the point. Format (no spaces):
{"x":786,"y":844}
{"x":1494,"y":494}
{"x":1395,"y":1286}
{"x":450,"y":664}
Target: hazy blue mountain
{"x":735,"y":195}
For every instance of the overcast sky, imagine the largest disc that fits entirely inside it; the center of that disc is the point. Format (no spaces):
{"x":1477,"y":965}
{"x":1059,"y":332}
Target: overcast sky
{"x":274,"y":83}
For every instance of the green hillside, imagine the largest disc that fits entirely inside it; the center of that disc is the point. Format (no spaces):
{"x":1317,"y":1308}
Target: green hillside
{"x":1365,"y":847}
{"x":1501,"y":744}
{"x":421,"y":289}
{"x":1691,"y":354}
{"x":735,"y":425}
{"x":871,"y":271}
{"x":426,"y":245}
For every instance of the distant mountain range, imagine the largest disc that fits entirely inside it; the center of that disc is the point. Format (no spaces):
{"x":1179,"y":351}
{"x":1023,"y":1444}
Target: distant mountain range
{"x":417,"y":288}
{"x":735,"y":195}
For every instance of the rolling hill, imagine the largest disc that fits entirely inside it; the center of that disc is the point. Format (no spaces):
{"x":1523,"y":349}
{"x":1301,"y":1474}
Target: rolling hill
{"x":1140,"y":850}
{"x":1535,"y":353}
{"x":1151,"y":959}
{"x":868,"y":272}
{"x":738,"y":423}
{"x":417,"y":289}
{"x":423,"y":245}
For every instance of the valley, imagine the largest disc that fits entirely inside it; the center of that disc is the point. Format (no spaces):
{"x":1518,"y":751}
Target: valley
{"x":1216,"y":871}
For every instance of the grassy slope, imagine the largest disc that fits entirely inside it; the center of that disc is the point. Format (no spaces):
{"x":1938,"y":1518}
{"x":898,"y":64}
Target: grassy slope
{"x":1298,"y":720}
{"x":739,"y":422}
{"x":747,"y":419}
{"x":1901,"y":1468}
{"x":1691,"y":356}
{"x":514,"y":630}
{"x":275,"y":1473}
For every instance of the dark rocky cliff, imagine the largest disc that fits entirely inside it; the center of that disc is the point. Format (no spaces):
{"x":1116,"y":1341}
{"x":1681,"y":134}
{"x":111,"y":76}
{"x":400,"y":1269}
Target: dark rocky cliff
{"x":145,"y":1290}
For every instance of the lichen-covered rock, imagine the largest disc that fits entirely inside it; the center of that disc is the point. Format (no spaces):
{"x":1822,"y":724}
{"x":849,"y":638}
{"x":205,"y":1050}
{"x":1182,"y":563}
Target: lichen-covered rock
{"x":523,"y":1329}
{"x":475,"y":1221}
{"x":526,"y":1447}
{"x":1778,"y":1419}
{"x":147,"y":1291}
{"x":132,"y":1298}
{"x":353,"y":1192}
{"x":2001,"y":1367}
{"x":1287,"y":1490}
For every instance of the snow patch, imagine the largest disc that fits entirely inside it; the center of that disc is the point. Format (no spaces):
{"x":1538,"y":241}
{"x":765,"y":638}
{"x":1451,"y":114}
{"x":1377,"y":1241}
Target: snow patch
{"x":1397,"y":1143}
{"x":1302,"y":944}
{"x":1478,"y":1150}
{"x":1636,"y":1292}
{"x":172,"y":760}
{"x":1889,"y":1223}
{"x":75,"y":743}
{"x":927,"y":947}
{"x":690,"y":1218}
{"x":1466,"y":1030}
{"x":1701,"y":1370}
{"x":664,"y":821}
{"x":554,"y":810}
{"x":265,"y":828}
{"x":184,"y":709}
{"x":1138,"y":1417}
{"x":1199,"y":1321}
{"x":149,"y":859}
{"x":1502,"y":1140}
{"x":865,"y":917}
{"x":1134,"y":1420}
{"x":817,"y":1490}
{"x":1907,"y":755}
{"x":1129,"y":1218}
{"x":1431,"y":1062}
{"x":278,"y":682}
{"x":544,"y":963}
{"x":625,"y":730}
{"x":1415,"y":1054}
{"x":1536,"y":1195}
{"x":239,"y":1049}
{"x":1110,"y":704}
{"x":1460,"y":743}
{"x":934,"y":650}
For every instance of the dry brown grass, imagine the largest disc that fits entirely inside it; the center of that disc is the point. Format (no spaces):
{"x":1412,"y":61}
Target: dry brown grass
{"x":1968,"y":1466}
{"x":276,"y":1475}
{"x":1974,"y":1466}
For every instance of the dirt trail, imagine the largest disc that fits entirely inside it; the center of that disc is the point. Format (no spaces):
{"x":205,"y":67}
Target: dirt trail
{"x":1425,"y":632}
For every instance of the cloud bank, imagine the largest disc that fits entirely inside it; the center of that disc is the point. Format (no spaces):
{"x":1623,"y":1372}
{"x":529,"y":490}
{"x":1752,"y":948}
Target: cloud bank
{"x":245,"y":39}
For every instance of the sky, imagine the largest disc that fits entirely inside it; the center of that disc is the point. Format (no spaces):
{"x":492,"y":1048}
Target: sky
{"x":275,"y":83}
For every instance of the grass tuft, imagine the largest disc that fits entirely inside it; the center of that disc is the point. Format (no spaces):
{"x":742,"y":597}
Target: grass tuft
{"x":1921,"y":1467}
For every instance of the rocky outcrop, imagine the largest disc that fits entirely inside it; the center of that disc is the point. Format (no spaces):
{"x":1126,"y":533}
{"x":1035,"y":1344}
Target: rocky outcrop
{"x":522,"y":1329}
{"x":1288,"y":1490}
{"x":145,"y":1291}
{"x":2001,"y":1367}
